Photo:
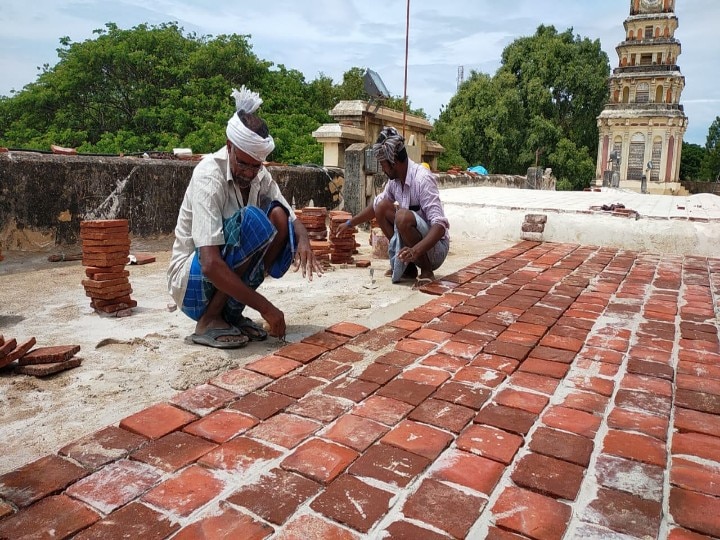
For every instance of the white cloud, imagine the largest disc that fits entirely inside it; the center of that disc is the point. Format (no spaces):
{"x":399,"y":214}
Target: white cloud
{"x":330,"y":37}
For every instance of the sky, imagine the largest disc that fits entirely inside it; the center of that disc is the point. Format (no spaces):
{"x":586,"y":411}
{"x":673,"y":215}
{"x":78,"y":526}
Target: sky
{"x":328,"y":37}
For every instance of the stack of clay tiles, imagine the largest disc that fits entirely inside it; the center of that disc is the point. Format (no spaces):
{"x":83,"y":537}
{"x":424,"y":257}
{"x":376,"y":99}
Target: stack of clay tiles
{"x":40,"y":361}
{"x":344,"y":246}
{"x":105,"y":251}
{"x":314,"y":218}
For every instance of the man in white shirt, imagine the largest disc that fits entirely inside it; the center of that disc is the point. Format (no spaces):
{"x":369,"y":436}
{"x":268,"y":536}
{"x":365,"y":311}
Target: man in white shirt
{"x":234,"y":228}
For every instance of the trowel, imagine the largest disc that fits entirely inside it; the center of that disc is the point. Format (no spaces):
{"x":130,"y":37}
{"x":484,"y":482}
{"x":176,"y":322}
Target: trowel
{"x":371,"y":284}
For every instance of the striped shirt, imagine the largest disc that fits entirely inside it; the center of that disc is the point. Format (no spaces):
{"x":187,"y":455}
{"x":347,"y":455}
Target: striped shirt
{"x":420,"y":194}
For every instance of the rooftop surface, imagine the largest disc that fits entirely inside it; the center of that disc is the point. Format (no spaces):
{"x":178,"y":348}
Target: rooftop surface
{"x":553,"y":390}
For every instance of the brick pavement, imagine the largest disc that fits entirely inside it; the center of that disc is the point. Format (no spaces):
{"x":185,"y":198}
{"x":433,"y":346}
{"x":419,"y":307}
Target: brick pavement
{"x":549,"y":391}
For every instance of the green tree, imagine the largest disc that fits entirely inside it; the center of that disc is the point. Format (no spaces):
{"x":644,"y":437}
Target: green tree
{"x":691,"y":161}
{"x":542,"y":101}
{"x":710,"y":167}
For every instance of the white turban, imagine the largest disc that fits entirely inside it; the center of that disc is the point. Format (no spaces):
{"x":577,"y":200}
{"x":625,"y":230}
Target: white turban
{"x":246,"y":139}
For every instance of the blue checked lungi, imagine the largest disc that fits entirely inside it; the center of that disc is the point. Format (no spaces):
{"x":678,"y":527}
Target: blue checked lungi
{"x":248,"y":234}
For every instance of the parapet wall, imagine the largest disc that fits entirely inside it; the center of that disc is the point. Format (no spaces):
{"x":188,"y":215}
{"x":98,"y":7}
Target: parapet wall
{"x":49,"y":194}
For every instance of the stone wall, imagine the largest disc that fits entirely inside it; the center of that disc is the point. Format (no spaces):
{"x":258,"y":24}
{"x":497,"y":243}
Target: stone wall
{"x":46,"y":192}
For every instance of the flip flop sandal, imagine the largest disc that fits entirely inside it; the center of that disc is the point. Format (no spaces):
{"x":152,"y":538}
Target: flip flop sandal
{"x":251,"y":330}
{"x":211,"y":337}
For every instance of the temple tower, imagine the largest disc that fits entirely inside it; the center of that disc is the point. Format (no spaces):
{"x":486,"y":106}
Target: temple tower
{"x":643,"y":123}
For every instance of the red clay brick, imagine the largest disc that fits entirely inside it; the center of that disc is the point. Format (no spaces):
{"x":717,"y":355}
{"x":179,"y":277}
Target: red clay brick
{"x":319,"y":407}
{"x":173,"y":451}
{"x":405,"y":390}
{"x":319,"y":460}
{"x":355,"y":431}
{"x":229,"y":524}
{"x":494,"y":362}
{"x":694,"y":476}
{"x":301,"y":352}
{"x":461,"y":350}
{"x":115,"y":485}
{"x":526,"y":401}
{"x":644,"y":401}
{"x":415,"y":346}
{"x":625,"y":513}
{"x":443,"y":415}
{"x":549,"y":476}
{"x":379,"y":373}
{"x":379,"y":338}
{"x":635,"y":446}
{"x":444,"y":507}
{"x":298,"y":529}
{"x":556,"y":370}
{"x":698,"y":445}
{"x":102,"y":447}
{"x":352,"y":389}
{"x":273,"y":366}
{"x":406,"y":324}
{"x":598,"y":385}
{"x":43,"y":370}
{"x":404,"y":530}
{"x":59,"y":514}
{"x":202,"y":399}
{"x":687,"y":420}
{"x":506,"y":418}
{"x":561,"y":445}
{"x":325,"y":369}
{"x":221,"y":426}
{"x":262,"y":404}
{"x":352,"y":502}
{"x":157,"y":421}
{"x":463,"y":394}
{"x":276,"y":495}
{"x":489,"y":442}
{"x":586,"y":401}
{"x":326,"y":340}
{"x":285,"y":430}
{"x":241,"y":381}
{"x":510,"y":350}
{"x":295,"y":386}
{"x":640,"y":479}
{"x":9,"y":353}
{"x":649,"y":424}
{"x":444,"y":361}
{"x":651,"y":385}
{"x":519,"y":338}
{"x":572,"y":420}
{"x":677,"y":533}
{"x":238,"y":455}
{"x":698,"y":401}
{"x":39,"y":479}
{"x":424,"y":375}
{"x":385,"y":410}
{"x":186,"y":492}
{"x":476,"y":375}
{"x":47,"y":355}
{"x":531,"y":514}
{"x":132,"y":521}
{"x":347,"y":329}
{"x":469,"y":470}
{"x":650,"y":369}
{"x":389,"y":464}
{"x":418,"y":438}
{"x":344,"y":355}
{"x":400,"y":359}
{"x":532,"y":381}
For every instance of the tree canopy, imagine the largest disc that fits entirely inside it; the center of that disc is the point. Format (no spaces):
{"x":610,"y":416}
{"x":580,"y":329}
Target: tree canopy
{"x":540,"y":106}
{"x":155,"y":88}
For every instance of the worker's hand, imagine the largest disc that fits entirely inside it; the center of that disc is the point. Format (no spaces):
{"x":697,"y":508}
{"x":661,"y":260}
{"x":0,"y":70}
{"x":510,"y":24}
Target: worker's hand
{"x":408,"y":254}
{"x":342,"y":228}
{"x":305,"y":260}
{"x":276,"y":321}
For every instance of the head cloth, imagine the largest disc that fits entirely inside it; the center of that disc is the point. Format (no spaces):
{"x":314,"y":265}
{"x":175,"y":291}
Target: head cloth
{"x":244,"y":138}
{"x":388,"y":144}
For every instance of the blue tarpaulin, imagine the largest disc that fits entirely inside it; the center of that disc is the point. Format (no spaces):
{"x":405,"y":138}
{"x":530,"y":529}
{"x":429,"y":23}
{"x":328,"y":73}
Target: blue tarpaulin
{"x":479,"y":169}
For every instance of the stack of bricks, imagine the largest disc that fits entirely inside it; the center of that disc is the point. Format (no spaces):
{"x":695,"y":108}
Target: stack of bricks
{"x":39,"y":362}
{"x":342,"y":247}
{"x":314,"y":219}
{"x":105,"y":249}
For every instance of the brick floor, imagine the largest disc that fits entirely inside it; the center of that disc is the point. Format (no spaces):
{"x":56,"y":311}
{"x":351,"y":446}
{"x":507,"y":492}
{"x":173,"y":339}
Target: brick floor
{"x":550,"y":391}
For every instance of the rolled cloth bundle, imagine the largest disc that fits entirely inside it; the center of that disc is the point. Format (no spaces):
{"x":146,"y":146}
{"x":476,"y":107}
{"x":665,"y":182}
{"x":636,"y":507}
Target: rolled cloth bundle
{"x":247,"y":101}
{"x":388,"y":144}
